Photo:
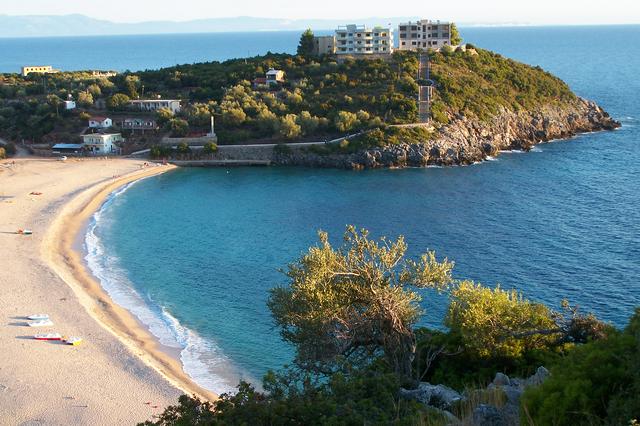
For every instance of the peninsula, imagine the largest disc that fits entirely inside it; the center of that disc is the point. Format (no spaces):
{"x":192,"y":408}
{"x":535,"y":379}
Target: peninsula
{"x":323,"y":107}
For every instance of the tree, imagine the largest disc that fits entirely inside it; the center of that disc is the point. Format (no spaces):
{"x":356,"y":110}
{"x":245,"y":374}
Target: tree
{"x":350,"y":304}
{"x":288,"y":128}
{"x":94,"y":89}
{"x":309,"y":123}
{"x":346,"y":121}
{"x":85,"y":99}
{"x":455,"y":35}
{"x":163,"y":116}
{"x":178,"y":127}
{"x":306,"y":46}
{"x":233,"y":116}
{"x":118,"y":101}
{"x":55,"y":102}
{"x":132,"y":82}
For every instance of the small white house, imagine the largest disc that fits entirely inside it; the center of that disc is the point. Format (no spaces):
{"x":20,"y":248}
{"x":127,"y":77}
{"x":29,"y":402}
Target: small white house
{"x":102,"y":143}
{"x":274,"y":76}
{"x":69,"y":105}
{"x":99,"y":122}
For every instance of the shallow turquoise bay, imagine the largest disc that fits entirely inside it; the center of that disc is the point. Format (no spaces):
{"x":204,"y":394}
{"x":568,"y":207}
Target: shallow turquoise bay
{"x":205,"y":245}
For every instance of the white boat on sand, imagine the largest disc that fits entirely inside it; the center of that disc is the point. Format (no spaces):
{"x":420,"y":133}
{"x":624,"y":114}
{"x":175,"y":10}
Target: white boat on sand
{"x":48,"y":336}
{"x":38,"y":317}
{"x":40,"y":323}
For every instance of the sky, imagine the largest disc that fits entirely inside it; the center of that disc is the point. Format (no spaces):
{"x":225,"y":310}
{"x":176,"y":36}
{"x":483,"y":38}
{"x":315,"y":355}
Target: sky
{"x":541,"y":12}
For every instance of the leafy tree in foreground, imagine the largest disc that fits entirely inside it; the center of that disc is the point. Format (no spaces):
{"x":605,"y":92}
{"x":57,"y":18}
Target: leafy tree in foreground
{"x":306,"y":45}
{"x":353,"y":303}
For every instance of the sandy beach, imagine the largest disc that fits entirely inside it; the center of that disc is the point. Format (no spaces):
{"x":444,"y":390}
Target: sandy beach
{"x":119,"y":368}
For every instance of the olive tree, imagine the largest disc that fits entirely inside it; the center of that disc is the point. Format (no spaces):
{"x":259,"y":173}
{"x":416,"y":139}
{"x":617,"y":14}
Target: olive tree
{"x":350,"y":304}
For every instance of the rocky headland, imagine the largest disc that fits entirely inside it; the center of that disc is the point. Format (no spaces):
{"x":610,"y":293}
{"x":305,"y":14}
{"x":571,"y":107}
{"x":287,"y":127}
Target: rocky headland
{"x":468,"y":140}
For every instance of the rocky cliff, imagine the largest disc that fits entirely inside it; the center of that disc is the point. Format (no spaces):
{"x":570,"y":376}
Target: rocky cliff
{"x":465,"y":140}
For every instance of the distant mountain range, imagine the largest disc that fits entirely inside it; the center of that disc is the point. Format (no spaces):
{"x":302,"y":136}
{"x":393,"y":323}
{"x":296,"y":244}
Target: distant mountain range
{"x":72,"y":25}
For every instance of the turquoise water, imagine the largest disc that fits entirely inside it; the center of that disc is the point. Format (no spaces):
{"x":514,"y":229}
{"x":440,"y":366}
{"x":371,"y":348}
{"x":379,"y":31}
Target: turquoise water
{"x":194,"y":252}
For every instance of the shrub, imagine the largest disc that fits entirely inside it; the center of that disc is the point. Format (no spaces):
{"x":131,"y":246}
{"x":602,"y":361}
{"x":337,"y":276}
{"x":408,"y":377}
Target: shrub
{"x":210,"y":148}
{"x":596,"y":383}
{"x":496,"y":322}
{"x":160,"y":151}
{"x":178,"y":127}
{"x":10,"y":149}
{"x":183,"y":148}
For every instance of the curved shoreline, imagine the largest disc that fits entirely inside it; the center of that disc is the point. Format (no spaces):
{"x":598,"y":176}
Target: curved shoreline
{"x":59,"y":251}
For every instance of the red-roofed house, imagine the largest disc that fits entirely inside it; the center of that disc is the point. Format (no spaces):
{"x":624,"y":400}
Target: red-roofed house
{"x":259,"y":82}
{"x":98,"y":122}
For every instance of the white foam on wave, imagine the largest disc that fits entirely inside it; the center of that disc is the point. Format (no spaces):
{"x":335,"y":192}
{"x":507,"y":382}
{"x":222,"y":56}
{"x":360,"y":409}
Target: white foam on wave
{"x":201,"y":359}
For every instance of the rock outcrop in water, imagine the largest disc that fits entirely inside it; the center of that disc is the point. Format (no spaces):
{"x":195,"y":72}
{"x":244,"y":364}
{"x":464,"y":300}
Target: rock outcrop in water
{"x":466,"y":141}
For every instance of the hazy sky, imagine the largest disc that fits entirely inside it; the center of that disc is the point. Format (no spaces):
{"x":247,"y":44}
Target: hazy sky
{"x":484,"y":11}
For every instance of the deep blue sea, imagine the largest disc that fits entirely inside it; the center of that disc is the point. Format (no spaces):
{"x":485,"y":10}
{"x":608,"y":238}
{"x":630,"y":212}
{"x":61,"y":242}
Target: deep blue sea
{"x":194,"y":252}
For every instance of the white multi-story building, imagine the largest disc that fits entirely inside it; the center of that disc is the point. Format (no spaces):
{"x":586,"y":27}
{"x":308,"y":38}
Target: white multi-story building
{"x":424,"y":34}
{"x":39,"y":69}
{"x":324,"y":45}
{"x":102,"y":143}
{"x":360,"y":40}
{"x":172,"y":105}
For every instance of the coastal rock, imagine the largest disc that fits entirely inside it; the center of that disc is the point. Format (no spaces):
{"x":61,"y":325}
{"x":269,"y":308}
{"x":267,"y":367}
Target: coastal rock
{"x":501,"y":379}
{"x":538,"y":378}
{"x":438,"y":396}
{"x":513,"y":388}
{"x":466,"y":141}
{"x":488,"y":415}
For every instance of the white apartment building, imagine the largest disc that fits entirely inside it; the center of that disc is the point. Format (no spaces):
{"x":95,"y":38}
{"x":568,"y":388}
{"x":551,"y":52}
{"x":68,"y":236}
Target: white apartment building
{"x":360,"y":40}
{"x":172,"y":105}
{"x":424,"y":34}
{"x":102,"y":143}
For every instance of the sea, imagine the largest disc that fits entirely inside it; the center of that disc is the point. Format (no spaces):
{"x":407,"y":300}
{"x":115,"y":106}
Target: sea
{"x":193,"y":253}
